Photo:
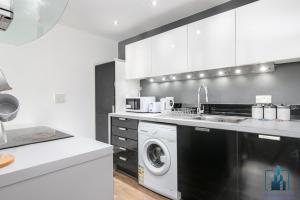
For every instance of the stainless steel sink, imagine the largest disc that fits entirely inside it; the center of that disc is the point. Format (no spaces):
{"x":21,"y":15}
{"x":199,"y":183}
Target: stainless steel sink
{"x":214,"y":118}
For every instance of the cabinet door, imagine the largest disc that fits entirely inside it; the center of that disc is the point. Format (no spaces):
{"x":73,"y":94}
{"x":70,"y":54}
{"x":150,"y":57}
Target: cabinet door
{"x":268,"y":30}
{"x":126,"y":160}
{"x":269,"y":167}
{"x":212,"y":42}
{"x":138,"y":59}
{"x":169,"y":52}
{"x":207,"y":163}
{"x":104,"y":86}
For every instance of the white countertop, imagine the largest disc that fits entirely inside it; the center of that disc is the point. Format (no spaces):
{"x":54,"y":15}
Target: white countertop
{"x":43,"y":158}
{"x":277,"y":128}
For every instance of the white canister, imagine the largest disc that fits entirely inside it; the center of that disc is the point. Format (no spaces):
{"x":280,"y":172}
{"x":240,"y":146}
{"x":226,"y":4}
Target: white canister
{"x":284,"y":112}
{"x":257,"y":111}
{"x":270,"y":112}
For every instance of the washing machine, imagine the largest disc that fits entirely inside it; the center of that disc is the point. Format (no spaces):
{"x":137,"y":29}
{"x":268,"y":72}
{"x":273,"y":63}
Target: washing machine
{"x":158,"y":158}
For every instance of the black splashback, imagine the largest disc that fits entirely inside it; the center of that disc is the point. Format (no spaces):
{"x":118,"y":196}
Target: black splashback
{"x":228,"y":109}
{"x":295,"y":112}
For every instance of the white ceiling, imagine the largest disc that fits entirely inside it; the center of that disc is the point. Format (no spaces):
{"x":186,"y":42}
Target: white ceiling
{"x":134,"y":16}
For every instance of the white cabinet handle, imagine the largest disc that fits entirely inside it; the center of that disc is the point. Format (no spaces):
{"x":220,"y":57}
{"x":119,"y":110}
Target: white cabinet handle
{"x":123,"y":159}
{"x":269,"y":137}
{"x":122,"y":139}
{"x":207,"y":130}
{"x":122,"y":129}
{"x":122,"y":119}
{"x":122,"y":149}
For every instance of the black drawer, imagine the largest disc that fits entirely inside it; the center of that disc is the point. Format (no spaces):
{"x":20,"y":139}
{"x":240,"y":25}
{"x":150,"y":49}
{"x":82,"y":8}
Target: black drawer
{"x":124,"y":132}
{"x":124,"y":122}
{"x":124,"y":142}
{"x":126,"y":160}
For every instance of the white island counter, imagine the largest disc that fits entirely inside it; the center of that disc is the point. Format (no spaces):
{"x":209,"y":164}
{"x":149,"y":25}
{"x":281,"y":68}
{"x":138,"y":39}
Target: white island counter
{"x":74,"y":168}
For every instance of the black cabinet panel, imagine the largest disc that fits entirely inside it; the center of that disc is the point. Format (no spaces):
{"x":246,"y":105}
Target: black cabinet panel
{"x":260,"y":159}
{"x":102,"y":127}
{"x":207,"y":164}
{"x":124,"y":136}
{"x":124,"y":122}
{"x":105,"y":98}
{"x":124,"y":142}
{"x":126,"y":160}
{"x":104,"y":87}
{"x":124,"y":132}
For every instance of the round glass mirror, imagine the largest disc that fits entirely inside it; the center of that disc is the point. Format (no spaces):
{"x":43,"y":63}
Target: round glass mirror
{"x":31,"y":19}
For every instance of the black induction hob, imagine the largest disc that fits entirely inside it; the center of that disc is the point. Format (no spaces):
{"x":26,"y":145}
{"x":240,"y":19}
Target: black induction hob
{"x":27,"y":136}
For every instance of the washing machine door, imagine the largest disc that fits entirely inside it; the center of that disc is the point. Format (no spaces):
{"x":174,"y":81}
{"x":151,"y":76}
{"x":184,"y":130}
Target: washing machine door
{"x":156,"y":157}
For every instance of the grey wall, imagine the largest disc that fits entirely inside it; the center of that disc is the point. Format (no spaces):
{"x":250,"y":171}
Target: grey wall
{"x":283,"y":84}
{"x":196,"y":17}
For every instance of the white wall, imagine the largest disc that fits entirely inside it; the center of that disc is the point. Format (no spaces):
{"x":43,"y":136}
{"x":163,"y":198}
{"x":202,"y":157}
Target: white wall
{"x":124,"y":88}
{"x":62,"y":61}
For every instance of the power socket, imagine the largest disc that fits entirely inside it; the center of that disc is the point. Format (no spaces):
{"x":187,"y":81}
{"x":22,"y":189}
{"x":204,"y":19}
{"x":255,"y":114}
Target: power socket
{"x":263,"y":99}
{"x":59,"y":98}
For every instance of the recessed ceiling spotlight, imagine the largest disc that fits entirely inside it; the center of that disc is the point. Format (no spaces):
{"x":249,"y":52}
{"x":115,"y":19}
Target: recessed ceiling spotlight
{"x":173,"y":77}
{"x":221,"y":73}
{"x":238,"y":71}
{"x":263,"y":69}
{"x":116,"y":22}
{"x":154,"y":3}
{"x":189,"y":76}
{"x":198,"y":32}
{"x":163,"y":78}
{"x":202,"y":75}
{"x":151,"y":80}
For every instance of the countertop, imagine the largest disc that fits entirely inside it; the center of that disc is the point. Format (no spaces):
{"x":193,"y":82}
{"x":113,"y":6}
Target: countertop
{"x":43,"y":158}
{"x":275,"y":128}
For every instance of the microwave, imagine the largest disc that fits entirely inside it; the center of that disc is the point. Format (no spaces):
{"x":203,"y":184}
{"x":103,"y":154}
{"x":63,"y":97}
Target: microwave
{"x":139,"y":104}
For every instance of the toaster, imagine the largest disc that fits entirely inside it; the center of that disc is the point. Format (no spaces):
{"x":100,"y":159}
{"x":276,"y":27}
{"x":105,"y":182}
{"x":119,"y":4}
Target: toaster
{"x":154,"y":107}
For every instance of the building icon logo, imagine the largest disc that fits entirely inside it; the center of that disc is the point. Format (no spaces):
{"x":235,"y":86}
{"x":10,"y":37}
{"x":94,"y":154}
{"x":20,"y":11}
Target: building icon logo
{"x":277,"y":180}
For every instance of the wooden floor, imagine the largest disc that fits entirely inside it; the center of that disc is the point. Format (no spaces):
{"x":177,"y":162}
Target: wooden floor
{"x":126,"y":188}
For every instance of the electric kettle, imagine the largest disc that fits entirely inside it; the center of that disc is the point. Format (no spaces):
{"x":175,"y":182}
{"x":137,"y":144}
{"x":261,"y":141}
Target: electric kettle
{"x":167,"y":104}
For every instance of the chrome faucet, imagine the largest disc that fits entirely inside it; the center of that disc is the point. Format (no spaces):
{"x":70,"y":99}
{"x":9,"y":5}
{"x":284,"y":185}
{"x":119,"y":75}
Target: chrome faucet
{"x":199,"y":109}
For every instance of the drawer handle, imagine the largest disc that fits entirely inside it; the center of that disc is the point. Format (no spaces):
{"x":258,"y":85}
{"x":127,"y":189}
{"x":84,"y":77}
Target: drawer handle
{"x":207,"y":130}
{"x":269,"y":137}
{"x":122,"y":119}
{"x":122,"y":139}
{"x":122,"y":129}
{"x":123,"y":159}
{"x":122,"y":149}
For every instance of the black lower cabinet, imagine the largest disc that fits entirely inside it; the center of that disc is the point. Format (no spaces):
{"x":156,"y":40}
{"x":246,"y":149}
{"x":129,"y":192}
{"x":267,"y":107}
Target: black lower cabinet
{"x":269,"y":167}
{"x":126,"y":160}
{"x":124,"y":137}
{"x":207,"y":164}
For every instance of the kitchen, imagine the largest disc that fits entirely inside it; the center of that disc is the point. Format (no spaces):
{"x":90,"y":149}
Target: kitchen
{"x":187,"y":100}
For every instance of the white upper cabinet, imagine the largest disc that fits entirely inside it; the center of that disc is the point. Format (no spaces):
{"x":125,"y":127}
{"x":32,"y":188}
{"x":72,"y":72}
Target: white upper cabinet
{"x":268,"y":30}
{"x":138,"y":59}
{"x":212,"y":42}
{"x":169,"y":52}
